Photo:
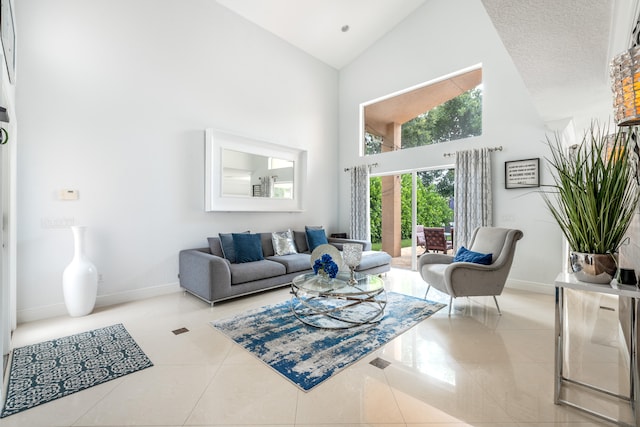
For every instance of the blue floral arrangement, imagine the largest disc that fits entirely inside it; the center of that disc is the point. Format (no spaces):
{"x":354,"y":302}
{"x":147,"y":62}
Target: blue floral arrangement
{"x":327,"y":265}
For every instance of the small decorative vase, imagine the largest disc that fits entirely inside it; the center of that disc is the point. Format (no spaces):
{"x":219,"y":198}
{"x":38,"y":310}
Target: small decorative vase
{"x":352,"y":255}
{"x":593,"y":268}
{"x":80,"y":279}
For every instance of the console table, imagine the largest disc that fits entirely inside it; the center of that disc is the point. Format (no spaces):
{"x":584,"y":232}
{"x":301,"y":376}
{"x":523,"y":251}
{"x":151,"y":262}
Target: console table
{"x":568,"y":281}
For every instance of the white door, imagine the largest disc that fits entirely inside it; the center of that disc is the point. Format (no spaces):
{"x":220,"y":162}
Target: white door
{"x":5,"y":329}
{"x":7,"y":322}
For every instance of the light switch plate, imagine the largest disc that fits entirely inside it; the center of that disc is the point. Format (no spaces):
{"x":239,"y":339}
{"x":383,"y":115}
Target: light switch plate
{"x":68,"y":194}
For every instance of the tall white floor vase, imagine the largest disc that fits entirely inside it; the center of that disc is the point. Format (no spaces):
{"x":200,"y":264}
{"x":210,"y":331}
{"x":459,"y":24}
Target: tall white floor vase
{"x":80,"y":278}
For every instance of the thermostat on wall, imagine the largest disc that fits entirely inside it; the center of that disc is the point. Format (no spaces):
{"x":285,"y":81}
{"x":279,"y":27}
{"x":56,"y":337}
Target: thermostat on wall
{"x":68,"y":194}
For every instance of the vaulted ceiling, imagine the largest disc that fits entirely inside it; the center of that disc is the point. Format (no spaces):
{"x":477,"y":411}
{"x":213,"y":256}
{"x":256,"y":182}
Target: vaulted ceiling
{"x":559,"y":47}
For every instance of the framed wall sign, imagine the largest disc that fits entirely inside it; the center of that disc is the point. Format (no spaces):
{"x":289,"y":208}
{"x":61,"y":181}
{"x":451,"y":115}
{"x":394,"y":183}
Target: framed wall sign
{"x":8,"y":36}
{"x":522,"y":173}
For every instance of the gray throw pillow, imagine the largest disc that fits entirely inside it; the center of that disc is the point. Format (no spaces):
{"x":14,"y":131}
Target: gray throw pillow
{"x":283,"y":242}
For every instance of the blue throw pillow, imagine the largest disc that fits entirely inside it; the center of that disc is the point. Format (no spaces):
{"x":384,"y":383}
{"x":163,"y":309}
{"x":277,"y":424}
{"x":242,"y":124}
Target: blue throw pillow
{"x":465,"y":255}
{"x":248,"y":247}
{"x":315,"y":238}
{"x":226,"y":242}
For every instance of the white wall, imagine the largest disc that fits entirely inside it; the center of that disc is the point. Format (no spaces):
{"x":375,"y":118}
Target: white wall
{"x":442,"y":37}
{"x":114,"y":97}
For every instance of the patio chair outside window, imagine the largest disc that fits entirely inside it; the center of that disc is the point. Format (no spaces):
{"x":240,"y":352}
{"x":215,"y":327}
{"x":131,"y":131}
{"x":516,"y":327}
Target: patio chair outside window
{"x":436,"y":240}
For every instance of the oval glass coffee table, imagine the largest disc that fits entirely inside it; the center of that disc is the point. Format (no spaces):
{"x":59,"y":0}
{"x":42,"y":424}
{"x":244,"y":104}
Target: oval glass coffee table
{"x":335,"y":303}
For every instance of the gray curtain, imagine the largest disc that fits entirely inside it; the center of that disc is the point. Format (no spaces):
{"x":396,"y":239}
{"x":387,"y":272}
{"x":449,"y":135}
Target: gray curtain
{"x":473,"y":200}
{"x":360,"y":227}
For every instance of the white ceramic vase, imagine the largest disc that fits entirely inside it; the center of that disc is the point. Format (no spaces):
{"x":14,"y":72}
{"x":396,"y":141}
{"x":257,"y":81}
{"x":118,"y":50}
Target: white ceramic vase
{"x":80,"y":278}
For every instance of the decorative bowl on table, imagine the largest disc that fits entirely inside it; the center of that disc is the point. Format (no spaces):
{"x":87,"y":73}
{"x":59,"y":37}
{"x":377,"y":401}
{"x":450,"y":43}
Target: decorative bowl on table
{"x":326,"y":261}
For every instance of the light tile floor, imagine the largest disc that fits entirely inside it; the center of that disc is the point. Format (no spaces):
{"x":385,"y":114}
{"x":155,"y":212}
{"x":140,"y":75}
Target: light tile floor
{"x":474,"y":368}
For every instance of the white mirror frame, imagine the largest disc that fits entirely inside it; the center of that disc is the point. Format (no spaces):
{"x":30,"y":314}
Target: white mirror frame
{"x":216,"y":141}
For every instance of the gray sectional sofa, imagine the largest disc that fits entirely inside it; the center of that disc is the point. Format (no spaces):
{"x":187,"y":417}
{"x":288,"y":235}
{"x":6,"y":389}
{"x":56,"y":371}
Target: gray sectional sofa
{"x":207,"y":274}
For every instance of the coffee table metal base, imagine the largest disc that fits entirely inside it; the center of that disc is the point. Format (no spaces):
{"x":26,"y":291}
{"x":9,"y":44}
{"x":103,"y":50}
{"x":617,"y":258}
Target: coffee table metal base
{"x":338,"y":303}
{"x":339,"y":313}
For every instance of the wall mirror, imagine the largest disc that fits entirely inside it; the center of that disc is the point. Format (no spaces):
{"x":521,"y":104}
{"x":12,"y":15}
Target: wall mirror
{"x":245,"y":174}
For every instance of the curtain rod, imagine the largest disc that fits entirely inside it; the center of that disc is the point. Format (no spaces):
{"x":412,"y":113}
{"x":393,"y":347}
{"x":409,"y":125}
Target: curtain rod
{"x":372,"y":165}
{"x":490,"y":150}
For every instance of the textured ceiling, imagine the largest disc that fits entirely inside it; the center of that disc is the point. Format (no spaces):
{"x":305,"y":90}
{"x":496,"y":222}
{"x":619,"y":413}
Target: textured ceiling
{"x":554,"y":43}
{"x":561,"y":49}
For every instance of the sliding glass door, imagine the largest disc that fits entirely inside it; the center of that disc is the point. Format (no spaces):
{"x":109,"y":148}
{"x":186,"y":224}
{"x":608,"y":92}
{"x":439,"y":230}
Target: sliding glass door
{"x":401,"y":203}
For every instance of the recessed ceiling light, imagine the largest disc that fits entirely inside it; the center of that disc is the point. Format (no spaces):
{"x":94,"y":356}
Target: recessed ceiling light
{"x":344,"y":28}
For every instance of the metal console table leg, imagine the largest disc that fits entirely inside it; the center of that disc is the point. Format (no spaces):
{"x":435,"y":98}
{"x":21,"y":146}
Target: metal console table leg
{"x":560,"y":379}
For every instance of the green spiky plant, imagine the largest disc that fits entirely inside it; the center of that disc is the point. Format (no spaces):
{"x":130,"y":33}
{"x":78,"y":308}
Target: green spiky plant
{"x":595,"y":192}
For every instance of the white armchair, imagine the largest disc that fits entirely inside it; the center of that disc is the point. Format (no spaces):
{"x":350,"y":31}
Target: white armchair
{"x":465,"y":279}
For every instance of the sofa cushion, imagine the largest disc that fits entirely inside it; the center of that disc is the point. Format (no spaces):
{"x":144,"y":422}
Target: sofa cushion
{"x":293,"y":262}
{"x":313,"y":227}
{"x":283,"y":242}
{"x":300,"y":238}
{"x":226,"y":242}
{"x":371,"y":259}
{"x":248,"y":247}
{"x":315,"y":238}
{"x":250,"y":271}
{"x":215,"y":246}
{"x":267,"y":246}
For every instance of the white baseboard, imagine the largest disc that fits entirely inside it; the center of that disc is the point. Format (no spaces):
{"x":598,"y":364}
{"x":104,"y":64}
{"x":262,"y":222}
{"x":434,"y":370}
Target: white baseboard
{"x":55,"y":310}
{"x":540,"y":288}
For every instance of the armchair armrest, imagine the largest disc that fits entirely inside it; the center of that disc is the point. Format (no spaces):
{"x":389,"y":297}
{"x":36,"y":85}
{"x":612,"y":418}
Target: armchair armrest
{"x":339,"y":242}
{"x":433,"y":258}
{"x":471,"y":279}
{"x":475,"y":266}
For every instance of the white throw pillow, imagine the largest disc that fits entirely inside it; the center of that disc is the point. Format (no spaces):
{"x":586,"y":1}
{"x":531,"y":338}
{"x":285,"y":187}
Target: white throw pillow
{"x":283,"y":242}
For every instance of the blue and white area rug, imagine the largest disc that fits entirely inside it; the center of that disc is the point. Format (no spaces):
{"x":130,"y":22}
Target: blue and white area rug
{"x":306,"y":355}
{"x":49,"y":370}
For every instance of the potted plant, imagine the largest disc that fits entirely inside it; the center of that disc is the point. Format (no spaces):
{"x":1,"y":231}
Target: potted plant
{"x":593,"y":198}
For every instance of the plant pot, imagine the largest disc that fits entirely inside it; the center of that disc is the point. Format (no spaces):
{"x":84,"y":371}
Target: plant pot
{"x":593,"y":268}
